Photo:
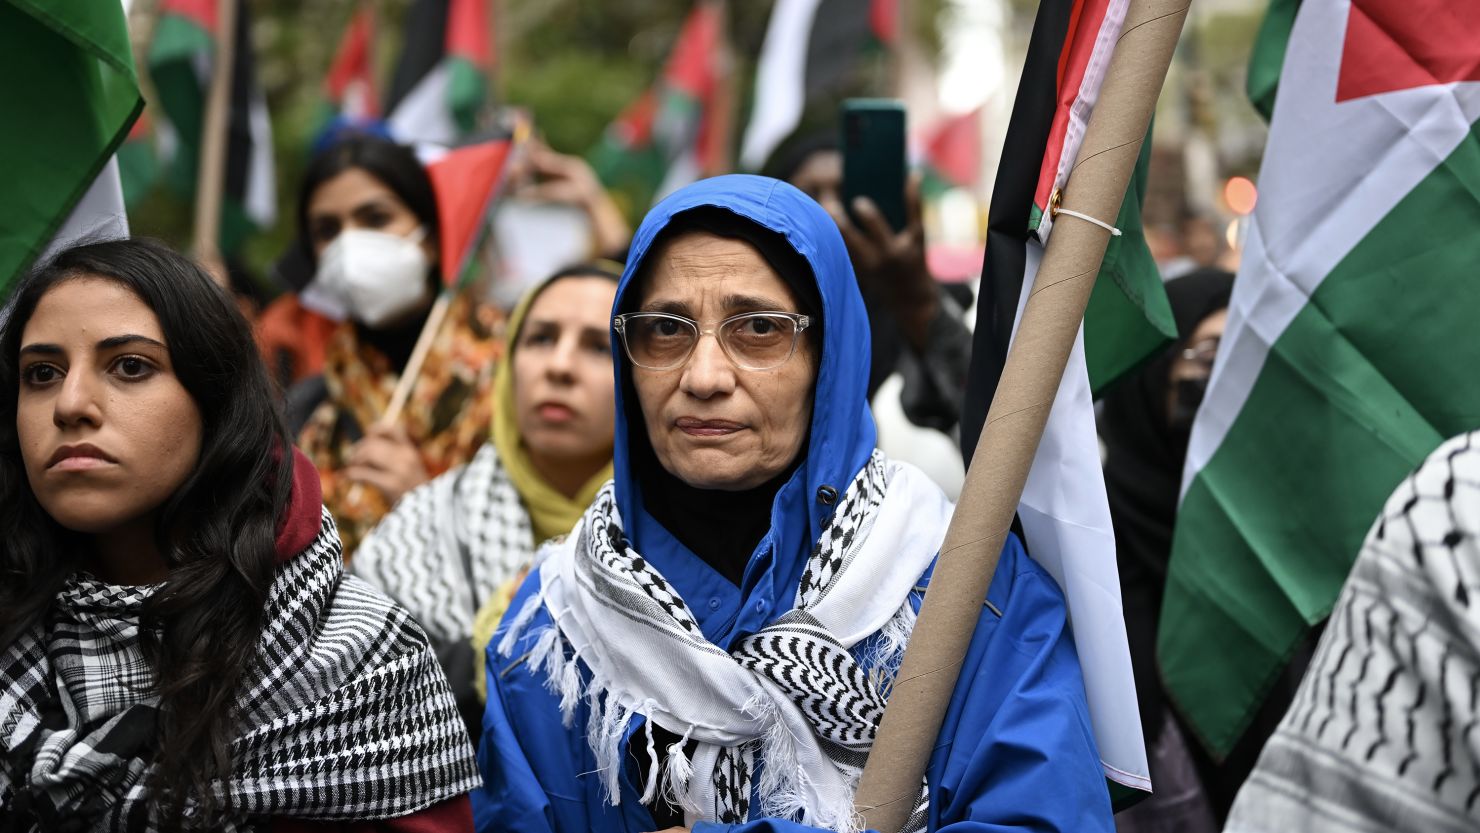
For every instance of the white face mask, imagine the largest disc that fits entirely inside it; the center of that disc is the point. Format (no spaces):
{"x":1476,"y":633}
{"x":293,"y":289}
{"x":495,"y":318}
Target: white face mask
{"x":371,"y":276}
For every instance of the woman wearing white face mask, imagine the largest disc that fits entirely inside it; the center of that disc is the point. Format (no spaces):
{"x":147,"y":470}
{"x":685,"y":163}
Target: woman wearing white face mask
{"x":368,"y":218}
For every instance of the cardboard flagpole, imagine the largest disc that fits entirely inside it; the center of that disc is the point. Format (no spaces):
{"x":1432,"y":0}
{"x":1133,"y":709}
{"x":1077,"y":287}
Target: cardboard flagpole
{"x":210,"y":183}
{"x":891,"y":780}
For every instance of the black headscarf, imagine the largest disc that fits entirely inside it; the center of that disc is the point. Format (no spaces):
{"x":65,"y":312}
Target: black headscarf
{"x":1143,"y":474}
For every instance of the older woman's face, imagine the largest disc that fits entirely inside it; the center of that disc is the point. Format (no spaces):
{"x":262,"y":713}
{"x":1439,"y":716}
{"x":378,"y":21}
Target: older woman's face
{"x":107,"y":431}
{"x":563,"y":373}
{"x":714,"y":425}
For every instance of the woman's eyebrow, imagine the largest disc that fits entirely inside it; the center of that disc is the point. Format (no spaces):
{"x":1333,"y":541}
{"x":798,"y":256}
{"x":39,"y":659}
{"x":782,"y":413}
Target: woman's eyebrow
{"x":670,"y":307}
{"x":751,"y":303}
{"x":376,"y":203}
{"x":43,"y":349}
{"x":119,"y":341}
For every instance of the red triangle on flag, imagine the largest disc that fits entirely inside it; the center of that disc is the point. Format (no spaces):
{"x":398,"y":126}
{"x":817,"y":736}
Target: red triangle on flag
{"x":1394,"y":46}
{"x":201,"y":12}
{"x":955,"y":148}
{"x":690,"y":68}
{"x":465,"y":180}
{"x":353,"y":65}
{"x":469,"y":32}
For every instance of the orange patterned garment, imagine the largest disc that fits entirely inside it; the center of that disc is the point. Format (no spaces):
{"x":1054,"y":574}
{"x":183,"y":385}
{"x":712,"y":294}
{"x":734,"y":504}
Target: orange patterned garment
{"x":449,"y":414}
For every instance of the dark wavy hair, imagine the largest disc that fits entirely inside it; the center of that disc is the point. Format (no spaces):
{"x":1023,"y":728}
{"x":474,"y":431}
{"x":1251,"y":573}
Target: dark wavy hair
{"x":393,"y":164}
{"x":216,"y":532}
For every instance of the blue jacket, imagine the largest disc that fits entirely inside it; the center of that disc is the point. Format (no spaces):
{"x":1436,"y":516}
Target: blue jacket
{"x":1016,"y":750}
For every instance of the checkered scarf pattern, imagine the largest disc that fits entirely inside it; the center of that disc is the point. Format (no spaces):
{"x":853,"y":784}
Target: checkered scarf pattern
{"x":344,"y":715}
{"x":449,"y":545}
{"x":1384,"y":732}
{"x":792,"y":695}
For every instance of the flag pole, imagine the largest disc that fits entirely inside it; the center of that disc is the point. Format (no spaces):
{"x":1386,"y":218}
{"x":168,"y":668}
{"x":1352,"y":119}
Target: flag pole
{"x":720,"y":154}
{"x":419,"y":353}
{"x":211,"y":179}
{"x":891,"y":780}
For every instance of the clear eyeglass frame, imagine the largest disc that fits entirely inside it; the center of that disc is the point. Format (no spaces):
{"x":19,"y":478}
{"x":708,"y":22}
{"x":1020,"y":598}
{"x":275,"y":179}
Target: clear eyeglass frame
{"x":622,"y":324}
{"x":1203,"y":352}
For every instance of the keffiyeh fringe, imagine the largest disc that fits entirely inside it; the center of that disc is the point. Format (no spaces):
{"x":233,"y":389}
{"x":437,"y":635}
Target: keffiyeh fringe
{"x":783,"y":781}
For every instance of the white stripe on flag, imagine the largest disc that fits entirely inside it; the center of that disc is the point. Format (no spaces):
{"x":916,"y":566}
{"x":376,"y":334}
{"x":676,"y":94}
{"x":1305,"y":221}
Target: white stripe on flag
{"x":424,"y":114}
{"x":1066,"y":519}
{"x":260,"y":201}
{"x":682,"y":171}
{"x":1332,"y":170}
{"x":780,"y":80}
{"x":98,"y":216}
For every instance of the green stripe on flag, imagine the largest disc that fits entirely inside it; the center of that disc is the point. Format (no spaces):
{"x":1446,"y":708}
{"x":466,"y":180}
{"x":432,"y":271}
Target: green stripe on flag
{"x":467,"y":89}
{"x":1372,"y":375}
{"x":138,"y":169}
{"x":1267,"y":58}
{"x":172,"y":55}
{"x":1129,"y":319}
{"x":70,"y":97}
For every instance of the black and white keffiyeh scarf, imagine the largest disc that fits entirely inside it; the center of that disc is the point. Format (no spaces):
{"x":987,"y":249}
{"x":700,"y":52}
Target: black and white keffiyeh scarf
{"x":790,"y":701}
{"x":344,"y":714}
{"x":448,"y":545}
{"x":1384,"y":732}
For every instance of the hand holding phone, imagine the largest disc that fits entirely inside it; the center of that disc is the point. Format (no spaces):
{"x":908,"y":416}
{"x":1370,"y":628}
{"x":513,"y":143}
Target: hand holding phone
{"x":873,"y":143}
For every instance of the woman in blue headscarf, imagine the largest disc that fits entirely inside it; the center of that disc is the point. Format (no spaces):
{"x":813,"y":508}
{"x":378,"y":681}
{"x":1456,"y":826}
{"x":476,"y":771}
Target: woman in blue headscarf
{"x":716,"y":639}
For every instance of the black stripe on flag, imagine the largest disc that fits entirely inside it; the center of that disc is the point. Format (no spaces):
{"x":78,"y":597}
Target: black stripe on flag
{"x":840,"y":31}
{"x":1008,"y":216}
{"x":425,"y":47}
{"x":239,"y":122}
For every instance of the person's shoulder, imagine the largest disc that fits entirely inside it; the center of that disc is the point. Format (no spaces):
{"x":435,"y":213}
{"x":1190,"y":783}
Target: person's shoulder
{"x":524,"y":622}
{"x":1024,"y":597}
{"x":1425,"y":528}
{"x":454,"y":815}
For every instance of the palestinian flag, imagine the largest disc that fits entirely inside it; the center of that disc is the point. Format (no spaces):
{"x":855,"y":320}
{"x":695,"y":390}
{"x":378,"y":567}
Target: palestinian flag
{"x":1350,"y":351}
{"x":466,"y":181}
{"x":676,"y":131}
{"x":350,"y":85}
{"x":812,"y":58}
{"x":1064,"y":513}
{"x":138,"y":159}
{"x":441,"y":82}
{"x":1269,"y":54}
{"x":953,"y":153}
{"x":181,"y":61}
{"x":70,"y":96}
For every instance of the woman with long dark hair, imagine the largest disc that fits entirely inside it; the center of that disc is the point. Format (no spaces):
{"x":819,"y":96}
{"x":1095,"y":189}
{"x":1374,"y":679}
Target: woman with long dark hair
{"x":179,"y":648}
{"x":368,"y":217}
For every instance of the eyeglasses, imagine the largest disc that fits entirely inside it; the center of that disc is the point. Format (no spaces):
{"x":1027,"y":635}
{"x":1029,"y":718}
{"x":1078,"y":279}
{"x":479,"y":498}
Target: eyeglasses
{"x":752,"y":340}
{"x":1202,"y":352}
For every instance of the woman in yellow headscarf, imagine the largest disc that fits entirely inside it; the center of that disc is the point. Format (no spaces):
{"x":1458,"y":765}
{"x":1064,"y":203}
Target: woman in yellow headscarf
{"x":452,"y":544}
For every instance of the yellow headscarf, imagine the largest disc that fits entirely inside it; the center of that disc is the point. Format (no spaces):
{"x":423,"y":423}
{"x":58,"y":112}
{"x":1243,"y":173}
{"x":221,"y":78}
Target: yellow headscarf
{"x":550,"y":512}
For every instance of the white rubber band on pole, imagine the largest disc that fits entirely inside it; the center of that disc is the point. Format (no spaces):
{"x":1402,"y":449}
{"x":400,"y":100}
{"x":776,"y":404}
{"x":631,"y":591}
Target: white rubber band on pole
{"x":1114,"y":232}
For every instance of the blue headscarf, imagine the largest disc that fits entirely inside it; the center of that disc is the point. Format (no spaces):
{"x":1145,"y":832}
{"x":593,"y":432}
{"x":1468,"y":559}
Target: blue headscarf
{"x":842,"y":432}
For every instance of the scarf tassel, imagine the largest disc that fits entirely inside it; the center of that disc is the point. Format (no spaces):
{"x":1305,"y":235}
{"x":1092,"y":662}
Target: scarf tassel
{"x":518,"y":624}
{"x":678,"y":775}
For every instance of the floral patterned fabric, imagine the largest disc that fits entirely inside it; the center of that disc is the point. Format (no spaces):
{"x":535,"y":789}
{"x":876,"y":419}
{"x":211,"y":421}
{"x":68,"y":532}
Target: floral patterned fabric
{"x":448,"y":416}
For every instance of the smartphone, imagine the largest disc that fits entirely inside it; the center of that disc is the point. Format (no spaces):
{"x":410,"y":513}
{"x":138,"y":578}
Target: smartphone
{"x":874,"y":156}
